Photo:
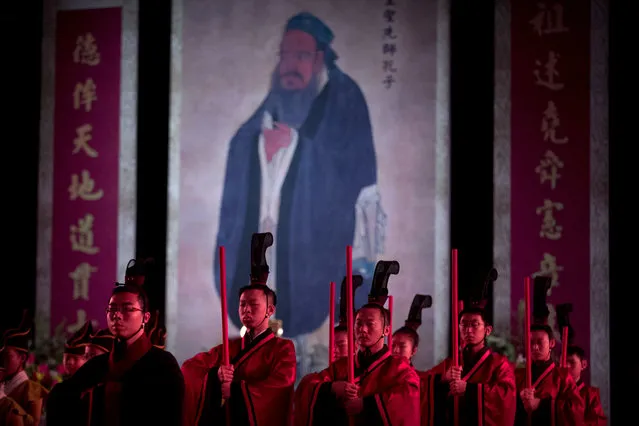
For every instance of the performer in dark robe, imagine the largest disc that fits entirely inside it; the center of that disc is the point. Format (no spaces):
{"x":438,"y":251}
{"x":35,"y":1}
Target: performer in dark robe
{"x":484,"y":383}
{"x":14,"y":349}
{"x":11,"y":414}
{"x":553,"y":399}
{"x":156,"y":332}
{"x":298,"y":167}
{"x":101,"y":343}
{"x":406,"y":339}
{"x":386,"y":388}
{"x":135,"y":384}
{"x":75,"y":348}
{"x":340,"y":342}
{"x":577,"y":362}
{"x":257,"y":387}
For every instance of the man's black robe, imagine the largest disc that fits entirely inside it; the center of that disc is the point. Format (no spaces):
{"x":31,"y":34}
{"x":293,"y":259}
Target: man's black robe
{"x":144,"y":388}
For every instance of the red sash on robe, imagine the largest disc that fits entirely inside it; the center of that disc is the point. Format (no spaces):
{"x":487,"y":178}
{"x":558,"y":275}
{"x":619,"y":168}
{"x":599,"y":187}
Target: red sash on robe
{"x":264,"y":379}
{"x":489,"y":400}
{"x":389,"y":387}
{"x":593,"y":414}
{"x":561,"y":404}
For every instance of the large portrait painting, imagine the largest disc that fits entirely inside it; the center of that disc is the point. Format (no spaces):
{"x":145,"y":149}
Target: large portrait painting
{"x":326,"y":124}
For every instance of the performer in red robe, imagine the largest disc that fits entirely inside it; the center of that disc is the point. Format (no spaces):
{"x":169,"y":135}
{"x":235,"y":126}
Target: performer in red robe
{"x":101,"y":342}
{"x":340,"y":336}
{"x":553,"y":399}
{"x":73,"y":357}
{"x":406,"y":339}
{"x":258,"y":385}
{"x":576,"y":362}
{"x":484,"y":383}
{"x":386,"y":388}
{"x":135,"y":384}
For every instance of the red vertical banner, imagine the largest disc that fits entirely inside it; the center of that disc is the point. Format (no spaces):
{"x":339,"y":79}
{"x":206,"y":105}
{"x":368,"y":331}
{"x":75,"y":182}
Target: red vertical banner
{"x":550,"y":153}
{"x":85,"y":164}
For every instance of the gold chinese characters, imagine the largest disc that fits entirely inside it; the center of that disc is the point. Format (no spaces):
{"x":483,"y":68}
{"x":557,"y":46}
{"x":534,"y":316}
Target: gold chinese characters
{"x":82,"y":186}
{"x":549,"y":20}
{"x":86,"y":50}
{"x":548,"y":169}
{"x":82,"y":235}
{"x":84,"y":95}
{"x":80,"y":277}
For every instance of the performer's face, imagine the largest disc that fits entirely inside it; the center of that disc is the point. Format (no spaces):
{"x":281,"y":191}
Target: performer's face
{"x":340,"y":349}
{"x":299,"y":60}
{"x":370,"y":327}
{"x":473,"y":329}
{"x":72,"y":363}
{"x":125,"y":316}
{"x":403,"y":345}
{"x":92,"y":351}
{"x":540,"y":345}
{"x":576,"y":365}
{"x":13,"y":361}
{"x":255,"y":308}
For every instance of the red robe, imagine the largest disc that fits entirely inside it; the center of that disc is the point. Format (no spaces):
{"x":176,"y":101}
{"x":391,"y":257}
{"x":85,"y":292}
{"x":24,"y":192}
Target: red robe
{"x":388,"y":384}
{"x":561,"y":404}
{"x":262,"y":388}
{"x":490,"y":397}
{"x":593,"y":413}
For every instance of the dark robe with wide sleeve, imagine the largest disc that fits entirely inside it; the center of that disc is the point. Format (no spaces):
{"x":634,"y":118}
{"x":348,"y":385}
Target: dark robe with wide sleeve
{"x":388,"y":385}
{"x":593,"y":413}
{"x":561,"y":404}
{"x":334,"y":160}
{"x":262,"y":388}
{"x":144,"y":387}
{"x":490,"y":397}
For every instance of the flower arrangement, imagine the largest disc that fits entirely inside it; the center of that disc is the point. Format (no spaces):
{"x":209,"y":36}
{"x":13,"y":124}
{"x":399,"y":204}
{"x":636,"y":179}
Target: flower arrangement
{"x":44,"y":363}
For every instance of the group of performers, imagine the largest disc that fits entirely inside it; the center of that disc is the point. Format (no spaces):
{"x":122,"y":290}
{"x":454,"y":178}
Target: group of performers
{"x":123,"y":376}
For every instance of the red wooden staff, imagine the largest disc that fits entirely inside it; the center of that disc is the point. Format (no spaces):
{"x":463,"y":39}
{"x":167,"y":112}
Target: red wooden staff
{"x":390,"y":324}
{"x":349,"y":313}
{"x":331,"y":322}
{"x":527,"y":333}
{"x":455,"y":329}
{"x":225,"y":322}
{"x":461,"y":309}
{"x":564,"y":348}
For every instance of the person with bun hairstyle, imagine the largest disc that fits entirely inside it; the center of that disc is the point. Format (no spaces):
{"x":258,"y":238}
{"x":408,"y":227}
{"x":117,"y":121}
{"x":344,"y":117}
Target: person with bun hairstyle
{"x":406,"y":338}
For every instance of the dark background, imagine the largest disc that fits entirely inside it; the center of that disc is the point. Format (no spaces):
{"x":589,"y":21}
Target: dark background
{"x":472,"y":79}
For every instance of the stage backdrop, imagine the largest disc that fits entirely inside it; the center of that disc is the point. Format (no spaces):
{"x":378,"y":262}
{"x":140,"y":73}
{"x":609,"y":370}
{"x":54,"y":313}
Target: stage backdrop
{"x":551,"y":167}
{"x":86,"y":226}
{"x":325,"y":123}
